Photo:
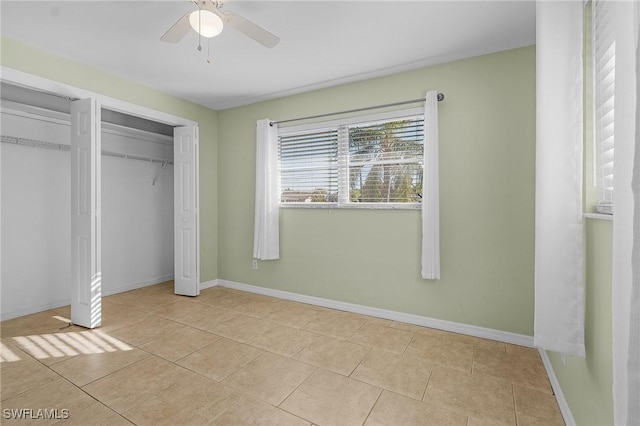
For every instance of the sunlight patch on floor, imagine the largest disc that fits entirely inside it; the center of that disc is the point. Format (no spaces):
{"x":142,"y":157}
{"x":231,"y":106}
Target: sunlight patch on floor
{"x":72,"y":343}
{"x":7,"y":355}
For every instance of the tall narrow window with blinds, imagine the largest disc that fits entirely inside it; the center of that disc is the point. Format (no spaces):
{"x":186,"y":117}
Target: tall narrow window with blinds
{"x":358,"y":163}
{"x":604,"y":54}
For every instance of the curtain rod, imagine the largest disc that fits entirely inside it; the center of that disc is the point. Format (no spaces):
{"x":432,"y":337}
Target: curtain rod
{"x":413,"y":101}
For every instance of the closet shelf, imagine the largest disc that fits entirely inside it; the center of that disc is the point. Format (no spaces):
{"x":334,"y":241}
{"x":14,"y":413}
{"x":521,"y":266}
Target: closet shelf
{"x":62,"y":147}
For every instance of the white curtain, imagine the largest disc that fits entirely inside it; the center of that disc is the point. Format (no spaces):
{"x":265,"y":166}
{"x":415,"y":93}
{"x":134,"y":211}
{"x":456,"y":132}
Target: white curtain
{"x":559,"y":251}
{"x":431,"y":191}
{"x":266,"y":233}
{"x":626,"y":220}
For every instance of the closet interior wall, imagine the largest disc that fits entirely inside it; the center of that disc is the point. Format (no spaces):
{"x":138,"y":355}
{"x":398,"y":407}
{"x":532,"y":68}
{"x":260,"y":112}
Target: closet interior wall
{"x":137,"y":209}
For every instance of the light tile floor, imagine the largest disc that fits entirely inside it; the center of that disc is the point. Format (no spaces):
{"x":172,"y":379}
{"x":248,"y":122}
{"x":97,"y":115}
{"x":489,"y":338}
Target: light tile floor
{"x":228,"y":357}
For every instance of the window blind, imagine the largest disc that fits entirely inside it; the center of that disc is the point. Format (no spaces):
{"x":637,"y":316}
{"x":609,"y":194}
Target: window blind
{"x":604,"y":48}
{"x":373,"y":162}
{"x":385,"y":161}
{"x":309,"y":166}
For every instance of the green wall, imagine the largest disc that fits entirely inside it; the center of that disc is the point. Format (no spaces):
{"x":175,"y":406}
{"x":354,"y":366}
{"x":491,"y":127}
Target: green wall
{"x":372,"y":257}
{"x":587,"y":382}
{"x":38,"y":62}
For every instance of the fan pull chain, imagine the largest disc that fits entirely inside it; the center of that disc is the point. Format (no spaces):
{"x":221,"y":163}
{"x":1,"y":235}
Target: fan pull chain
{"x":200,"y":29}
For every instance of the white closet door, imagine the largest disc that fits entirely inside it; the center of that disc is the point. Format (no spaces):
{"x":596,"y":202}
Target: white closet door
{"x":86,"y":272}
{"x":186,"y":239}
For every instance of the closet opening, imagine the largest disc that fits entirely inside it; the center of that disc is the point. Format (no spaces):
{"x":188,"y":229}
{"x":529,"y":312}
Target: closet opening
{"x":136,"y":202}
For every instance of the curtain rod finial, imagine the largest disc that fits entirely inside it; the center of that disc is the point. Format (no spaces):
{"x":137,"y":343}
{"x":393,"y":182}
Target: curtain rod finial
{"x":440,"y":97}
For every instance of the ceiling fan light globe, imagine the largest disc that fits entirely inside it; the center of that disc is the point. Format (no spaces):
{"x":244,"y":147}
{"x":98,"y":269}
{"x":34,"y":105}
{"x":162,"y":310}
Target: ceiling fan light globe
{"x":205,"y":22}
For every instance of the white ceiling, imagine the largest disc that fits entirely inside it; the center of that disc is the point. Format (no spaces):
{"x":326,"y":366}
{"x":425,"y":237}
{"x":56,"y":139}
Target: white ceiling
{"x":323,"y":43}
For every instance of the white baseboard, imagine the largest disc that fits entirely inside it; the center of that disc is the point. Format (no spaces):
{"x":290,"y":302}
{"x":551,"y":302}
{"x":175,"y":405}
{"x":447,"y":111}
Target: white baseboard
{"x":471,"y":330}
{"x":136,"y":285}
{"x":34,"y":309}
{"x":557,"y":390}
{"x":64,"y":302}
{"x":208,"y":284}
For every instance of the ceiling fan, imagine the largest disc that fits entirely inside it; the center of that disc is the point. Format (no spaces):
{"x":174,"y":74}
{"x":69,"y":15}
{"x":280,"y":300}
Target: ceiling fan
{"x":208,"y":21}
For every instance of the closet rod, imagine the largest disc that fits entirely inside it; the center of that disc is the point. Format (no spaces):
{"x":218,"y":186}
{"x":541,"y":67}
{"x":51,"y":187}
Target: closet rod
{"x":62,"y":147}
{"x":412,"y":101}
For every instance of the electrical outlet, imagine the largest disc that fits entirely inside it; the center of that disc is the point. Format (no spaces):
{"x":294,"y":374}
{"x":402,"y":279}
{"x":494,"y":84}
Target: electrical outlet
{"x":254,"y":265}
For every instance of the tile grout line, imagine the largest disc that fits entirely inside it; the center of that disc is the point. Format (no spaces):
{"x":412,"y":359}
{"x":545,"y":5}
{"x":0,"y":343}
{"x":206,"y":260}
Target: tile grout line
{"x":515,"y":410}
{"x":83,"y":391}
{"x":413,"y":336}
{"x":424,"y":392}
{"x":279,"y":406}
{"x":473,"y":359}
{"x":227,"y":409}
{"x":373,"y":406}
{"x":359,"y":362}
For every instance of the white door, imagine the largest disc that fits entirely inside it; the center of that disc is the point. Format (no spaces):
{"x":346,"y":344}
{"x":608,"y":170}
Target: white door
{"x":186,"y":240}
{"x":86,"y":271}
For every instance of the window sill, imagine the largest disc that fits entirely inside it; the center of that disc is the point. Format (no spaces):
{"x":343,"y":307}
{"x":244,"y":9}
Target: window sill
{"x":599,"y":216}
{"x":354,"y":206}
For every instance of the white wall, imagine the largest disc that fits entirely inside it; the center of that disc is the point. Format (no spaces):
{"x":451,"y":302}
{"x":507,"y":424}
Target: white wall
{"x":137,"y":217}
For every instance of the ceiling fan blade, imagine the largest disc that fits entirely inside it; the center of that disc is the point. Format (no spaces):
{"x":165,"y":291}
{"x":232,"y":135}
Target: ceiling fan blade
{"x":178,"y":30}
{"x":250,"y":29}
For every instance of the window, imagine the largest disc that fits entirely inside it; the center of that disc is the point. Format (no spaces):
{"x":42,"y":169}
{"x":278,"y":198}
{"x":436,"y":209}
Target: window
{"x":604,"y":53}
{"x":363,"y":162}
{"x":309,"y":166}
